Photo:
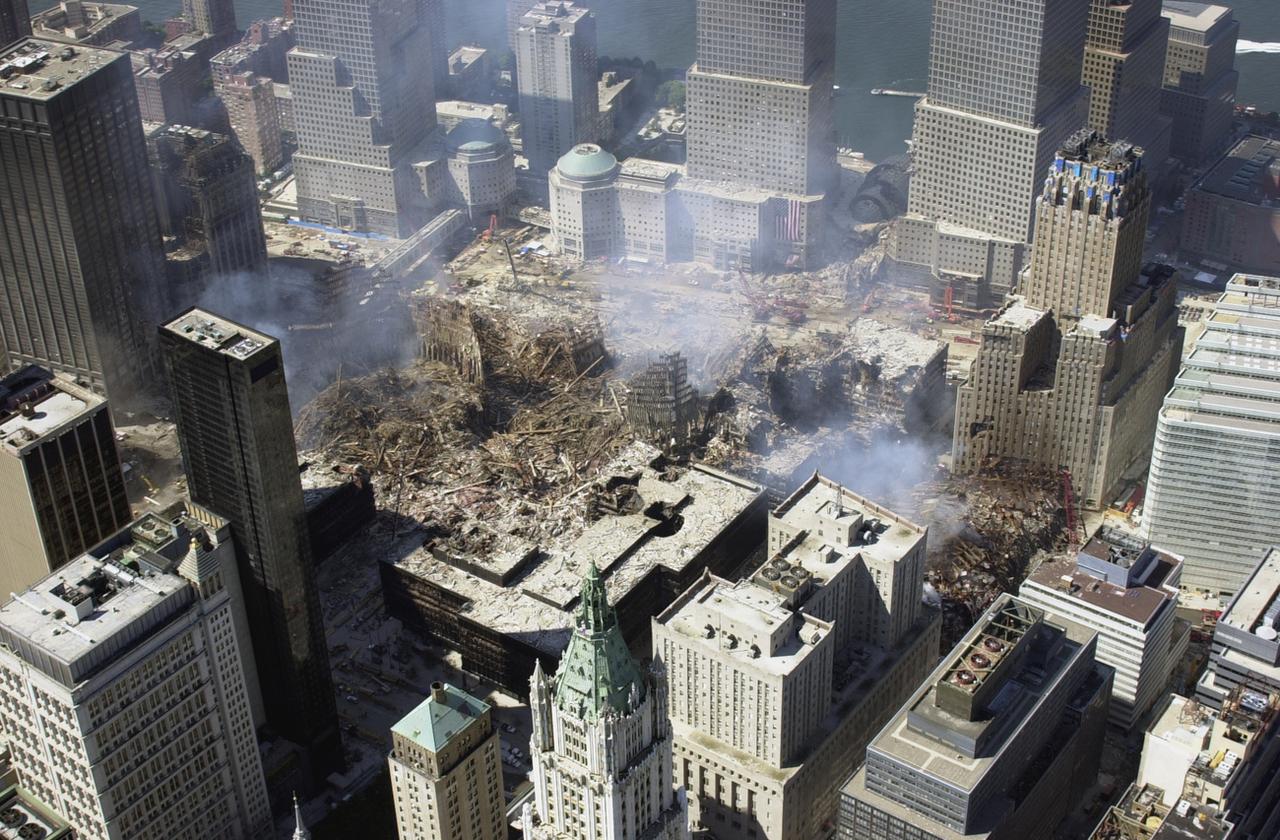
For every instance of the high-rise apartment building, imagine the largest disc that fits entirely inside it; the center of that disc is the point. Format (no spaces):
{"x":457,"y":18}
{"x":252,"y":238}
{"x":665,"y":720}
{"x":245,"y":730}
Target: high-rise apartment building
{"x":1004,"y":91}
{"x":212,"y":17}
{"x":208,"y":203}
{"x":1213,"y":492}
{"x":124,"y":692}
{"x":1128,"y":592}
{"x":173,"y":80}
{"x":1199,"y":78}
{"x":601,"y":746}
{"x":446,"y":773}
{"x":61,"y":486}
{"x":516,"y":10}
{"x":1069,"y":374}
{"x":779,"y":681}
{"x":231,"y":406}
{"x":15,"y":21}
{"x":363,"y":102}
{"x":1124,"y":71}
{"x":556,"y":69}
{"x":1001,"y":740}
{"x":254,"y":115}
{"x":80,"y":252}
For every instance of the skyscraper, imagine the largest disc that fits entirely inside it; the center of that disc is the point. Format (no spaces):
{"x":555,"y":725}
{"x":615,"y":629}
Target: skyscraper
{"x":779,"y":681}
{"x":209,"y":203}
{"x":80,"y":253}
{"x":15,"y":21}
{"x":1069,"y":374}
{"x":124,"y":695}
{"x":363,"y":101}
{"x":212,"y":17}
{"x":1216,"y":457}
{"x":556,"y":70}
{"x":232,"y":411}
{"x":60,"y":475}
{"x":760,"y":96}
{"x":1200,"y":77}
{"x":1001,"y":740}
{"x":446,"y":773}
{"x":601,"y":746}
{"x":1123,"y":68}
{"x":1004,"y":90}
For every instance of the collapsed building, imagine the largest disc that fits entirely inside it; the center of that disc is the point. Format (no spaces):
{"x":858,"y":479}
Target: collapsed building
{"x":504,"y":602}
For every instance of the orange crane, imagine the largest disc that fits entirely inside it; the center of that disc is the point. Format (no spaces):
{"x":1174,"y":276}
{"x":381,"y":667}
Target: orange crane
{"x":869,"y":301}
{"x":487,"y":234}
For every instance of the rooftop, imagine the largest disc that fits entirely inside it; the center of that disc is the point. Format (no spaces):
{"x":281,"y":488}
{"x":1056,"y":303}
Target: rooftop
{"x":587,"y":162}
{"x":1249,"y":172}
{"x":23,"y":817}
{"x":35,"y":403}
{"x":445,"y":713}
{"x":1140,"y":600}
{"x":1200,"y":17}
{"x":38,"y":69}
{"x":666,"y":518}
{"x":1256,"y":606}
{"x":1017,"y":314}
{"x":226,"y":336}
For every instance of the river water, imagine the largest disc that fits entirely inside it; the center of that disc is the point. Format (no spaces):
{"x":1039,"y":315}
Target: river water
{"x":881,"y":43}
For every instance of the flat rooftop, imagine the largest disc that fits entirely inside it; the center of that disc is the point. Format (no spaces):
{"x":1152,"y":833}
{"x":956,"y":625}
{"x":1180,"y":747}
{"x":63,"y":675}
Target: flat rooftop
{"x":1199,"y":17}
{"x":35,"y":403}
{"x":27,"y":818}
{"x":1245,"y":172}
{"x":39,"y":69}
{"x":1017,"y":314}
{"x":672,"y":515}
{"x":1139,"y":603}
{"x":1259,"y":593}
{"x":222,"y":334}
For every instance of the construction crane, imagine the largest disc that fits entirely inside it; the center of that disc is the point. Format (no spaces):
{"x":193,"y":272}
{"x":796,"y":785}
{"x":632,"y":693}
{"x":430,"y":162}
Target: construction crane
{"x":515,"y":278}
{"x":949,"y":300}
{"x":487,"y":234}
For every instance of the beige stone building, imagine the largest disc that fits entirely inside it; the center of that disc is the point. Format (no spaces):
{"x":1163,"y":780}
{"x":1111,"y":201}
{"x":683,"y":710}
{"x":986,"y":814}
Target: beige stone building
{"x":254,"y":116}
{"x":779,"y":681}
{"x":446,"y":776}
{"x":1071,"y":372}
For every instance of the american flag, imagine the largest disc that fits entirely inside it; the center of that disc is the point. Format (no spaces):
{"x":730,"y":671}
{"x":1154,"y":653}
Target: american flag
{"x":789,"y":224}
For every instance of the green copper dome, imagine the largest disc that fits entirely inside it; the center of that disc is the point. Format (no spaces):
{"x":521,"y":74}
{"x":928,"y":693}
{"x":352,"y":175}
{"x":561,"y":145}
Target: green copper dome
{"x":475,"y":135}
{"x":587,"y":162}
{"x":596,"y":671}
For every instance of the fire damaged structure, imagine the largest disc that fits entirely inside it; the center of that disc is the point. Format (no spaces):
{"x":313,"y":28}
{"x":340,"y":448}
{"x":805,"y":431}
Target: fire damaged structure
{"x":651,"y":527}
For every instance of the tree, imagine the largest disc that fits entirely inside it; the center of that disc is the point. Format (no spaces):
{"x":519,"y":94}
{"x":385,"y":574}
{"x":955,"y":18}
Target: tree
{"x":671,"y":95}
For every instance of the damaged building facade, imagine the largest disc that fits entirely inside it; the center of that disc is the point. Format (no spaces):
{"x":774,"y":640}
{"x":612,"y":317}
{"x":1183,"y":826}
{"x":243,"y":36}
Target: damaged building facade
{"x":1070,"y":373}
{"x":651,"y":528}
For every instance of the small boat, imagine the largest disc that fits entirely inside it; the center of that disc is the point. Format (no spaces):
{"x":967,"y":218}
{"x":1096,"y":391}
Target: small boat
{"x":877,"y":91}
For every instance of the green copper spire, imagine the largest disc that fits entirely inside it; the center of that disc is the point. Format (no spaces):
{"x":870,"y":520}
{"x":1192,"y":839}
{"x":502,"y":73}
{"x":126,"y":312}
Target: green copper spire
{"x":596,"y":671}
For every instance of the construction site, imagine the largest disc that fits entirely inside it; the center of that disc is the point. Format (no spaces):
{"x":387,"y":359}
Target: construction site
{"x":538,"y":388}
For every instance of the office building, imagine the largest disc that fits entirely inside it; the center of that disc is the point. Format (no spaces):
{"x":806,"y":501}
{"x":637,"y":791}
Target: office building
{"x":504,"y":602}
{"x":362,"y":99}
{"x":1223,"y":764}
{"x":80,"y":252}
{"x":216,"y":18}
{"x":91,"y":24}
{"x":61,"y":486}
{"x":1128,"y":592}
{"x":1070,"y":372}
{"x":601,"y":745}
{"x":1001,"y":740}
{"x":15,"y":21}
{"x":556,"y":68}
{"x":123,"y":687}
{"x":1124,"y":55}
{"x":23,"y":817}
{"x":779,"y":681}
{"x":482,"y":169}
{"x":470,"y":74}
{"x":1003,"y":93}
{"x":208,"y":204}
{"x":1245,"y":645}
{"x":231,"y":407}
{"x":446,"y":773}
{"x":1199,"y":78}
{"x":1212,"y":491}
{"x":1233,"y":212}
